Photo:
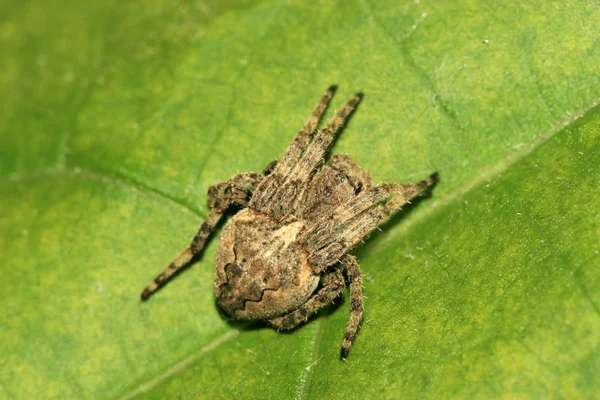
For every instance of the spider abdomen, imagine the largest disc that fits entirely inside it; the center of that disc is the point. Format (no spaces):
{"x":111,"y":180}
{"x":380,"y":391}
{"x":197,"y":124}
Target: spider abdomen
{"x":261,"y":272}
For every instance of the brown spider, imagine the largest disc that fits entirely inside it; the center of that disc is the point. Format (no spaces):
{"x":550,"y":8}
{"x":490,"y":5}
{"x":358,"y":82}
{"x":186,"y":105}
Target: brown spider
{"x":284,"y":255}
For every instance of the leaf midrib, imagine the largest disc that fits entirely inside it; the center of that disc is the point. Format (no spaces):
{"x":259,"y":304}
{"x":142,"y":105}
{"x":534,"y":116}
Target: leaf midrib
{"x":181,"y":365}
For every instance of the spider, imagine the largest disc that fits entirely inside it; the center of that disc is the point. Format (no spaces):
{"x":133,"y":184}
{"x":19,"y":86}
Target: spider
{"x":287,"y":252}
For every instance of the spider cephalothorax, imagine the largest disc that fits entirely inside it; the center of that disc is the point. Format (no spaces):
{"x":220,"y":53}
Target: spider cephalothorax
{"x":287,"y":252}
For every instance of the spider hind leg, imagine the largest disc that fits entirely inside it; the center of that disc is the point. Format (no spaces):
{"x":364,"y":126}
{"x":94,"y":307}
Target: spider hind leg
{"x":333,"y":285}
{"x":350,"y":265}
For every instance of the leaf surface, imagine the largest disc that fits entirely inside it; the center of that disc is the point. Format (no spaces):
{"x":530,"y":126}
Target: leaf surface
{"x":117,"y":117}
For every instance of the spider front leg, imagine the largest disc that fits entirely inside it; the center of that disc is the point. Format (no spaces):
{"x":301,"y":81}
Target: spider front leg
{"x":283,"y":191}
{"x":236,"y":190}
{"x":302,"y":139}
{"x":333,"y":284}
{"x":280,"y":171}
{"x":316,"y":150}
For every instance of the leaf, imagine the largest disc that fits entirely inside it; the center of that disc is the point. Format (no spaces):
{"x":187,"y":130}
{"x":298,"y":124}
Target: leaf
{"x":117,"y":117}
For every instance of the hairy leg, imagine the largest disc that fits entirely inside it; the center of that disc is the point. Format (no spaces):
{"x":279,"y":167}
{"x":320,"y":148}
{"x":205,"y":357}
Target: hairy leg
{"x":358,"y":178}
{"x":269,"y":168}
{"x":350,"y":265}
{"x":236,"y":190}
{"x":331,"y":238}
{"x":279,"y":172}
{"x":333,"y":284}
{"x":302,"y":139}
{"x":316,"y":150}
{"x":283,"y":191}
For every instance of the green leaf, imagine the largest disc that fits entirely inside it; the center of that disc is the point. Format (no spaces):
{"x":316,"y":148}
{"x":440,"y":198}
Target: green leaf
{"x":117,"y":117}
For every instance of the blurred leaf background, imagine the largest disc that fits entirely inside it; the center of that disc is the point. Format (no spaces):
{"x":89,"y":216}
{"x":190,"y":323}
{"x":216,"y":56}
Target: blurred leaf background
{"x":115,"y":117}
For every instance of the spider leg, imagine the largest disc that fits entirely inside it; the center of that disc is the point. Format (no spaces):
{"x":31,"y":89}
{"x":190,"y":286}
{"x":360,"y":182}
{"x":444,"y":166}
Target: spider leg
{"x":236,"y":190}
{"x":285,"y":187}
{"x":359,"y":178}
{"x":333,"y":237}
{"x":350,"y":265}
{"x":302,"y":139}
{"x":269,"y":168}
{"x":333,"y":284}
{"x":313,"y":156}
{"x":279,"y":171}
{"x":403,"y":193}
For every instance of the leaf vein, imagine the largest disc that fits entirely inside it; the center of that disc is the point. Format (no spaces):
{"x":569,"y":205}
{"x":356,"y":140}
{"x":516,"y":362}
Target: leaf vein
{"x":113,"y":178}
{"x":180,"y":366}
{"x":486,"y":174}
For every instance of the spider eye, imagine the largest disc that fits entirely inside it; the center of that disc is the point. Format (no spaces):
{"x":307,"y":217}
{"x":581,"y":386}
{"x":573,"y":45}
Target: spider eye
{"x":243,"y":260}
{"x":278,"y":257}
{"x":264,"y":243}
{"x":265,"y":280}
